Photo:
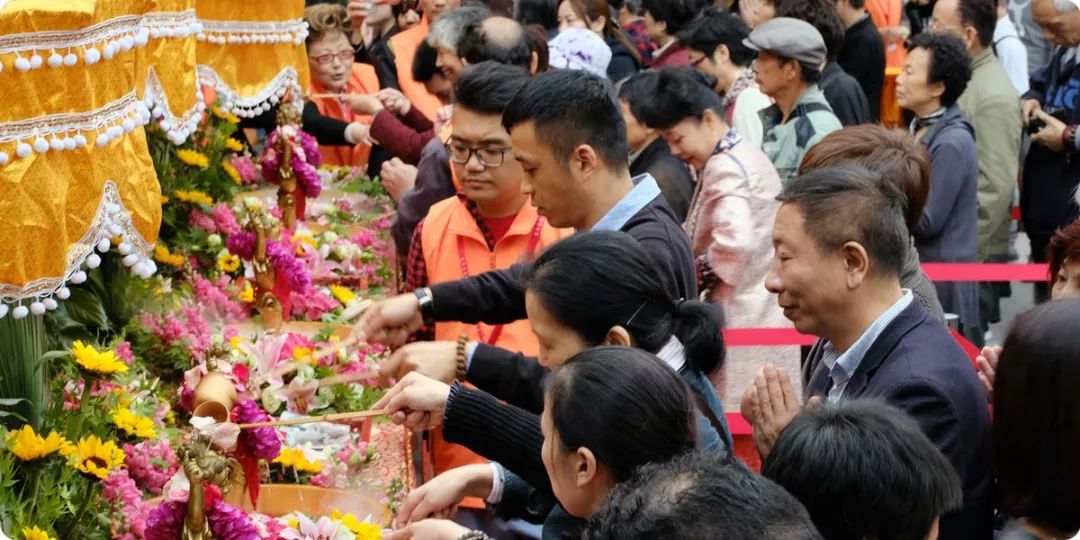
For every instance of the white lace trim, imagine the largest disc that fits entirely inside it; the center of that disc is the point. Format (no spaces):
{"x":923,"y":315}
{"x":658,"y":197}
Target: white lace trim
{"x":253,"y":32}
{"x":59,"y":132}
{"x":251,"y":106}
{"x":111,"y":220}
{"x":102,"y":41}
{"x":176,"y":127}
{"x":167,"y":24}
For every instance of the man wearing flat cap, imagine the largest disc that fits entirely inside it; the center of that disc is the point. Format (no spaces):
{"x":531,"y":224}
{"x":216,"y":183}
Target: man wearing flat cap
{"x":791,"y":53}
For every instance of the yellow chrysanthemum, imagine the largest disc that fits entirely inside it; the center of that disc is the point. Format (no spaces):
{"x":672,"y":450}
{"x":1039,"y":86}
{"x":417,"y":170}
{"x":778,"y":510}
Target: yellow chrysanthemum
{"x":343,"y":294}
{"x":196,"y":197}
{"x":232,"y":172}
{"x":193,"y":158}
{"x":295,"y":458}
{"x":228,"y":117}
{"x":28,"y":446}
{"x":34,"y":533}
{"x":301,"y":354}
{"x":123,"y":396}
{"x":162,"y":255}
{"x":228,"y":262}
{"x":362,"y":529}
{"x":248,"y":294}
{"x":95,"y":458}
{"x":234,"y":145}
{"x":133,"y":424}
{"x":99,"y":362}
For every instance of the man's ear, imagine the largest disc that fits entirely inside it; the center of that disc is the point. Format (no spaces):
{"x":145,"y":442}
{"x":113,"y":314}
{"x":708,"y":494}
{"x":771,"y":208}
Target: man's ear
{"x":856,"y":263}
{"x":585,"y":159}
{"x":618,"y":336}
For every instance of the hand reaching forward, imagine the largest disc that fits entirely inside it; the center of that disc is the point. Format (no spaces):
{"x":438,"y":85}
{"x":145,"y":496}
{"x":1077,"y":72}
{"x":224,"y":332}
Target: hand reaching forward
{"x":417,"y":402}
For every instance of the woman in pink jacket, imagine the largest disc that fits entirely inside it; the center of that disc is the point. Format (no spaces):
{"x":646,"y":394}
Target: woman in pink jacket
{"x":730,"y":218}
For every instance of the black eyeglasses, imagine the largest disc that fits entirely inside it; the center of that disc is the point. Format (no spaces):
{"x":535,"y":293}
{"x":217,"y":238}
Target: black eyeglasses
{"x":461,"y":153}
{"x":695,"y":63}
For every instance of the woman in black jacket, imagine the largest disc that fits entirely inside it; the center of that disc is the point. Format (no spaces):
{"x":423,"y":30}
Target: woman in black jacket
{"x":639,"y":412}
{"x":598,"y":288}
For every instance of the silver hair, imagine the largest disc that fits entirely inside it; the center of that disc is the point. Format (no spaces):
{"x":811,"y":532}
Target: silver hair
{"x":446,"y":32}
{"x":1065,"y":6}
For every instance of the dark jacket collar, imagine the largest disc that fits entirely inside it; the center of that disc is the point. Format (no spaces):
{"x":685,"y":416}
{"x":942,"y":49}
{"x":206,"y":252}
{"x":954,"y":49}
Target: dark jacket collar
{"x":890,"y":337}
{"x":652,"y":153}
{"x":953,"y":117}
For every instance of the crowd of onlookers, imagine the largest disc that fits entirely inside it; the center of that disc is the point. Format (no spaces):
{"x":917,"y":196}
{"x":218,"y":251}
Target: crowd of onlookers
{"x":588,"y":191}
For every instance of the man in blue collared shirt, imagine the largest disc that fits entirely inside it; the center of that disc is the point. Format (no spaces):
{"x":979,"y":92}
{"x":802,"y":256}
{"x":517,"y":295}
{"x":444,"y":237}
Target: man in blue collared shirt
{"x":840,"y":242}
{"x":569,"y":135}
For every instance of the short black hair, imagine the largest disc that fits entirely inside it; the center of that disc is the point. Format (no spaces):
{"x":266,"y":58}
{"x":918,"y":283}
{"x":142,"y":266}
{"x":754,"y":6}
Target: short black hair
{"x":872,"y":210}
{"x":675,"y":13}
{"x":864,"y":469}
{"x":700,"y":496}
{"x":981,"y":15}
{"x":640,"y":410}
{"x":949,"y":63}
{"x":1036,"y":432}
{"x":423,"y":65}
{"x":666,"y":97}
{"x":568,"y":108}
{"x":487,"y":87}
{"x":542,"y":12}
{"x":822,"y":15}
{"x":809,"y":75}
{"x":478,"y":44}
{"x":715,"y":27}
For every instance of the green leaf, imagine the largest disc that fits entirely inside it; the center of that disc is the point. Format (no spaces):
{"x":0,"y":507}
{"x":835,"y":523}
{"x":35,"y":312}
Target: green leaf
{"x":85,"y":308}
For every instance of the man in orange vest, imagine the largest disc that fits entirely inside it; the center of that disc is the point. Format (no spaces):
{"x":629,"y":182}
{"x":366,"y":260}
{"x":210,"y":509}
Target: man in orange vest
{"x":499,"y":39}
{"x":489,"y":225}
{"x":404,"y":45}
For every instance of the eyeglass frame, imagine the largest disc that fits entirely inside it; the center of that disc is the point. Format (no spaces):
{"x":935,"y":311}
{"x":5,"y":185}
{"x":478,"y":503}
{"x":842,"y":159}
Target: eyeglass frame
{"x":345,"y":57}
{"x":476,"y":150}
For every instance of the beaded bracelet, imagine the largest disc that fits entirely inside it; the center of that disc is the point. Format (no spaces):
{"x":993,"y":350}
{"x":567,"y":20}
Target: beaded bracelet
{"x":462,"y":356}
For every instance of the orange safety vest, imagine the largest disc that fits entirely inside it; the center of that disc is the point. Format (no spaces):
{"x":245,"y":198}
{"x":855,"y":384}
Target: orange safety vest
{"x":404,"y":45}
{"x":454,"y":247}
{"x":888,"y":14}
{"x":362,"y":80}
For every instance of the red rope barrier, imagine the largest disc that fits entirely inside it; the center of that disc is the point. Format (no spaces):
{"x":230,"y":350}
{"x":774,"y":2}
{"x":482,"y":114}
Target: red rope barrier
{"x":985,"y":272}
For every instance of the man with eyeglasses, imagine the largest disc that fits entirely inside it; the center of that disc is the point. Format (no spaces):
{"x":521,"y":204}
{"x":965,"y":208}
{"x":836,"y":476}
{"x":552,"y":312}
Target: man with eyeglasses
{"x":489,"y":225}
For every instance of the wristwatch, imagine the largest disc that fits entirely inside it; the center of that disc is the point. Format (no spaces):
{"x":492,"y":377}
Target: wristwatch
{"x":427,"y":306}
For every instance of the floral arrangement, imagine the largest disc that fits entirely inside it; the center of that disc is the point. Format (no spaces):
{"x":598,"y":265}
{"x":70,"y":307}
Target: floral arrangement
{"x":85,"y":449}
{"x":211,"y":167}
{"x":280,"y":251}
{"x":304,"y":159}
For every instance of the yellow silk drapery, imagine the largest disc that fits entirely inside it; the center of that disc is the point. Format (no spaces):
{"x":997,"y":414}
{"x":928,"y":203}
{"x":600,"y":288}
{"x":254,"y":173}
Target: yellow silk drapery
{"x":79,"y":79}
{"x":252,"y":70}
{"x":53,"y":204}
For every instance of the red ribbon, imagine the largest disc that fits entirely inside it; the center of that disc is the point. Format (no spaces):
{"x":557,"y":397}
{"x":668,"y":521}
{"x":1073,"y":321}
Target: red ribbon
{"x":985,"y":272}
{"x":757,"y":337}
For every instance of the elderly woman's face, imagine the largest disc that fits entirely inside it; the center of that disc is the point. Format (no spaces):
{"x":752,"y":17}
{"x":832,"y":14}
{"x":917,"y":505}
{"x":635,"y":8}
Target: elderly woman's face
{"x":1067,"y":281}
{"x":914,"y":91}
{"x":331,"y":58}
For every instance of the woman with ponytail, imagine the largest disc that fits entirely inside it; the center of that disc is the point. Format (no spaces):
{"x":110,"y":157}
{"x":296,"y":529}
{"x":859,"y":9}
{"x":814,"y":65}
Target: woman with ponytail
{"x":640,"y":413}
{"x":592,"y":289}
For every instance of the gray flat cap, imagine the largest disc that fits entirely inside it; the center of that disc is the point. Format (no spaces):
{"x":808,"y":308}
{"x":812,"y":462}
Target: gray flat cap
{"x":790,"y":38}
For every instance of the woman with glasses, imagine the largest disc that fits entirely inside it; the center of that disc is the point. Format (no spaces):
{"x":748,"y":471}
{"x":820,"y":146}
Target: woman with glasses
{"x":338,"y":88}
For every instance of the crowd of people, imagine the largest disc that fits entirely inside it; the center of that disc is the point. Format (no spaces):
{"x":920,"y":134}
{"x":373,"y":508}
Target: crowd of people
{"x":589,"y":191}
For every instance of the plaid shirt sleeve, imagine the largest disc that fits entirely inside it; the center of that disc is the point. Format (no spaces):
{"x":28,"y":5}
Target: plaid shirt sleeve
{"x":416,"y":277}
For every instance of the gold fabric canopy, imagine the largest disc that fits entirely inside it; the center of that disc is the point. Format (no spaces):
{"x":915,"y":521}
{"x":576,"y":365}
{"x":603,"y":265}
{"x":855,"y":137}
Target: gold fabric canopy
{"x":80,"y":79}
